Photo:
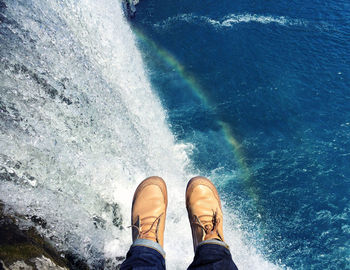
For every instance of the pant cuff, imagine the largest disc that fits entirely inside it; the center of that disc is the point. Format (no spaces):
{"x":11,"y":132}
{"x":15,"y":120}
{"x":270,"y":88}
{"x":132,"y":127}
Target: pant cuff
{"x":214,"y":242}
{"x":149,"y":244}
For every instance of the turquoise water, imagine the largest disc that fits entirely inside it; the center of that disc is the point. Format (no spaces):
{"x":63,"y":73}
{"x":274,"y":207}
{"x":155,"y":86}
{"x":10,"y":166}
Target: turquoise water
{"x":252,"y":94}
{"x":277,"y":75}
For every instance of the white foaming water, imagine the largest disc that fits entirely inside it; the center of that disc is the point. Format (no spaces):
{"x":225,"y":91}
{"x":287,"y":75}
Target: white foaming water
{"x":81,"y":128}
{"x":230,"y":20}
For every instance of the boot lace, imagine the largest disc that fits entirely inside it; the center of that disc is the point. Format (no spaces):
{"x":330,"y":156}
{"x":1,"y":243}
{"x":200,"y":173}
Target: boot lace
{"x":209,"y":226}
{"x":141,"y":226}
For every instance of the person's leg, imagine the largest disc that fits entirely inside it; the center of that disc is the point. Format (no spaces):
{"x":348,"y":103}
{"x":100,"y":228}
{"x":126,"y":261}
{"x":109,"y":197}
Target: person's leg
{"x":142,"y":257}
{"x":212,"y":255}
{"x":206,"y":220}
{"x":148,"y":222}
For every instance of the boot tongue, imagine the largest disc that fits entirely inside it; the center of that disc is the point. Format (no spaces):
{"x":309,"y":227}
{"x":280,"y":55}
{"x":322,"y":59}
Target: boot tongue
{"x":210,"y":232}
{"x":150,"y":234}
{"x":211,"y":229}
{"x":208,"y":228}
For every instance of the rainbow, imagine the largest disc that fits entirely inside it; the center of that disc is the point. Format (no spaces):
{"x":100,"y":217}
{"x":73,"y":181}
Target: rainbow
{"x":203,"y":97}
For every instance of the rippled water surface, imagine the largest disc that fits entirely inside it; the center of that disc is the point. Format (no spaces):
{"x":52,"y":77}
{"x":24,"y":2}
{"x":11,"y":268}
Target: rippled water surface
{"x":261,"y":89}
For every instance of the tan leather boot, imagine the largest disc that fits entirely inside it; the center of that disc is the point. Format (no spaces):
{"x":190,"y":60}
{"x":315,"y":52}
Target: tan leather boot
{"x":149,"y":210}
{"x":204,"y":210}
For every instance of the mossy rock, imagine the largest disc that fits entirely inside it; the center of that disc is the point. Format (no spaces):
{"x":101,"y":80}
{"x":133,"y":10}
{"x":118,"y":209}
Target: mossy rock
{"x":27,"y":249}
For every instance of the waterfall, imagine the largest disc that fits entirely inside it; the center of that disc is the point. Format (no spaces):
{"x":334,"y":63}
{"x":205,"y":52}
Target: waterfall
{"x":80,"y":125}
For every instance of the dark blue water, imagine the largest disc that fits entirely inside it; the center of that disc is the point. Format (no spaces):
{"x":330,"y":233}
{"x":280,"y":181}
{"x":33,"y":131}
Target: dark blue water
{"x":275,"y":76}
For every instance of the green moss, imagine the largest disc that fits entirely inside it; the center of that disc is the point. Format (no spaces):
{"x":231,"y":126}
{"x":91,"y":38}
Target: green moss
{"x":22,"y":245}
{"x":25,"y":244}
{"x":10,"y":254}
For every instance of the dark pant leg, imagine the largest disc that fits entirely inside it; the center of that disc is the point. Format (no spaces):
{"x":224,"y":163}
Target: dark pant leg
{"x":143,"y":258}
{"x":212,"y":256}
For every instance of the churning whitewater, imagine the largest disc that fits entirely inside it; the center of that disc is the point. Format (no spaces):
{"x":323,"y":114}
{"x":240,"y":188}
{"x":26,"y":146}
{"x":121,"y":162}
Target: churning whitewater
{"x":81,"y":127}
